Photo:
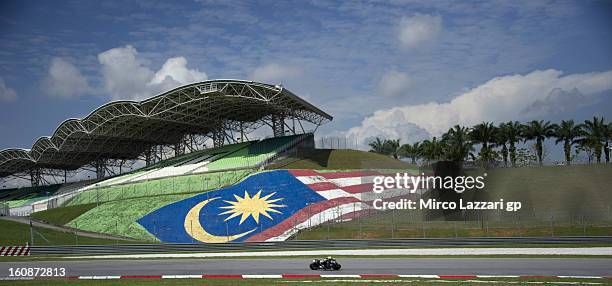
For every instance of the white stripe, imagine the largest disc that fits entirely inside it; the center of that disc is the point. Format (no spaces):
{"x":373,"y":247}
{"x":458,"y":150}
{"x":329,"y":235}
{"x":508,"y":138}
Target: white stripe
{"x":105,"y":277}
{"x":307,"y":180}
{"x":180,"y":276}
{"x":340,"y":276}
{"x":86,"y":277}
{"x":262,"y":276}
{"x":498,"y":276}
{"x":582,"y":277}
{"x":334,"y":193}
{"x":419,"y":276}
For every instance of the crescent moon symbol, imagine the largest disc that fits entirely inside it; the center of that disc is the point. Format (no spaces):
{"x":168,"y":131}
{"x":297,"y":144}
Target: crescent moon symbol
{"x":194,"y":228}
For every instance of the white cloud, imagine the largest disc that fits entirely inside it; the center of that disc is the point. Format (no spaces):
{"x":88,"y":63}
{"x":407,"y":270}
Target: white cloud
{"x":499,"y":99}
{"x":6,"y":93}
{"x":558,"y":101}
{"x":126,"y":76}
{"x":64,"y":79}
{"x":175,"y":71}
{"x":274,"y":73}
{"x":394,"y":83}
{"x":419,"y":29}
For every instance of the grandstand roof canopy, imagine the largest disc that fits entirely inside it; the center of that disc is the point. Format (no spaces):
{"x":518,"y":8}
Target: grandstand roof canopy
{"x":125,"y":129}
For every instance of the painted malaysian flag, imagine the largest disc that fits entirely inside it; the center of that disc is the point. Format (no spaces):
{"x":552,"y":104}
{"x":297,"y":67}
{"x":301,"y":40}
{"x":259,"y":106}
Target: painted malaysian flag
{"x":268,"y":206}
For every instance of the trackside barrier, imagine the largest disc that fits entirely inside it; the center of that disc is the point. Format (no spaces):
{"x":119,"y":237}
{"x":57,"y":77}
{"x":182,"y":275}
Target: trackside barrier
{"x":15,"y":250}
{"x":307,"y":245}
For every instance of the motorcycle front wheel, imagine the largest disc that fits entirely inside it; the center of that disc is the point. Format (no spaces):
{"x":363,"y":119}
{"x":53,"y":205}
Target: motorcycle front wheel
{"x":313,"y":266}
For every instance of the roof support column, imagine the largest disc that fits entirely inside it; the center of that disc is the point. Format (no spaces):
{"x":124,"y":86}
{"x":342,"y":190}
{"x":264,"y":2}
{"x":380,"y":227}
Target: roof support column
{"x":35,"y":177}
{"x":218,"y":137}
{"x":179,"y":149}
{"x":278,"y":125}
{"x":100,"y":168}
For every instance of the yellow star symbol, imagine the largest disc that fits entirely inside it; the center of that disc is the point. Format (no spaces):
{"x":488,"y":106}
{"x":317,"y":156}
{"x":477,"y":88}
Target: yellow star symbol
{"x":252,"y":206}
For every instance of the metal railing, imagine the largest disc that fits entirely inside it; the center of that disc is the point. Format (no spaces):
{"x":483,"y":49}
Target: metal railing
{"x":307,"y":245}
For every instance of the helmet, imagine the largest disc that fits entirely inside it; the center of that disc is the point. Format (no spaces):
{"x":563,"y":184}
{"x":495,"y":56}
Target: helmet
{"x":329,"y":257}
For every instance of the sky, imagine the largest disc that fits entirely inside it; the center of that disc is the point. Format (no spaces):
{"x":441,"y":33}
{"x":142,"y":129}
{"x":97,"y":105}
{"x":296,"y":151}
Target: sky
{"x":396,"y":69}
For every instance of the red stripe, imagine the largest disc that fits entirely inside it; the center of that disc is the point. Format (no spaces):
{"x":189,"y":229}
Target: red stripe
{"x":2,"y":251}
{"x":141,"y":277}
{"x":300,"y":216}
{"x":222,"y":276}
{"x":458,"y":276}
{"x":342,"y":175}
{"x":14,"y":250}
{"x":356,"y":189}
{"x":27,"y":253}
{"x":301,"y":276}
{"x":378,"y":275}
{"x":323,"y":186}
{"x":333,"y":175}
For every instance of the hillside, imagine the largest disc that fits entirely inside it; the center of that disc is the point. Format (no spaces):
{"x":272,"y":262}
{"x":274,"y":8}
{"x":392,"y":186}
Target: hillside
{"x":339,"y":159}
{"x":557,"y":200}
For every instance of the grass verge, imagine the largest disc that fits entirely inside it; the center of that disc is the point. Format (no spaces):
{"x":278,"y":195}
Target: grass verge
{"x":64,"y":215}
{"x":14,"y":233}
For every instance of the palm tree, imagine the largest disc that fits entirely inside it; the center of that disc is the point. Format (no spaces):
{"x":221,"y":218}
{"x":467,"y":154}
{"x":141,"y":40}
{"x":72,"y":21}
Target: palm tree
{"x":501,"y":138}
{"x":484,"y":134}
{"x":595,"y":132}
{"x":608,"y":129}
{"x":377,"y":146}
{"x":538,"y":131}
{"x":411,"y":151}
{"x":432,"y":149}
{"x":512,"y":133}
{"x":456,"y":144}
{"x":391,"y":147}
{"x":567,"y":132}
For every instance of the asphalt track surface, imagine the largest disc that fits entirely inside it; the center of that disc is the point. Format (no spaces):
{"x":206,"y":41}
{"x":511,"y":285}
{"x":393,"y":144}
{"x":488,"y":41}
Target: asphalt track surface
{"x":434,"y":266}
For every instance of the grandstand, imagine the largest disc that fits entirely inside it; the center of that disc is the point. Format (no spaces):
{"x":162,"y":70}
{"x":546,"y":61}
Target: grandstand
{"x":219,"y":110}
{"x":213,"y":111}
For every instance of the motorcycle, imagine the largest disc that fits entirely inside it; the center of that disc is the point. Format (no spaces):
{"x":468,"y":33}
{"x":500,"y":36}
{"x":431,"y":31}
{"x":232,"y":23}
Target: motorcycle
{"x":325,"y":264}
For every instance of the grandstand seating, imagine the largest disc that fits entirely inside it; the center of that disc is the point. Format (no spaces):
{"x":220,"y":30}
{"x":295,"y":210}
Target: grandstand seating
{"x":165,"y":177}
{"x":252,"y":155}
{"x":22,"y":196}
{"x":185,"y":165}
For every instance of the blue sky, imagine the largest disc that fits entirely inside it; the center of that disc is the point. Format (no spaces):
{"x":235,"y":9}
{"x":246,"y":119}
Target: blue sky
{"x":406,"y":69}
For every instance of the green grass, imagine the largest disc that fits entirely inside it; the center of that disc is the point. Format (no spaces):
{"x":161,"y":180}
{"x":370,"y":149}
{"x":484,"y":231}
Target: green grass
{"x":557,"y":201}
{"x":555,"y":190}
{"x":14,"y":233}
{"x":381,"y":226}
{"x":340,"y":159}
{"x":119,"y":217}
{"x":61,"y":216}
{"x":172,"y":185}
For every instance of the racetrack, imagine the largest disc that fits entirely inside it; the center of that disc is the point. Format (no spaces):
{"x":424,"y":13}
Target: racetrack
{"x":436,"y":266}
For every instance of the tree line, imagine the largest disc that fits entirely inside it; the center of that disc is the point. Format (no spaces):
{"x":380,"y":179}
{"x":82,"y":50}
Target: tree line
{"x":499,"y":142}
